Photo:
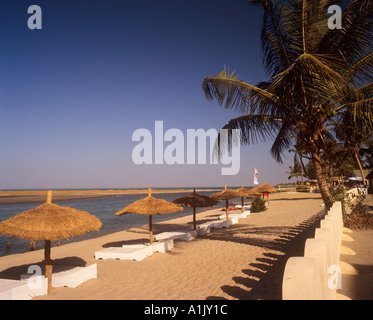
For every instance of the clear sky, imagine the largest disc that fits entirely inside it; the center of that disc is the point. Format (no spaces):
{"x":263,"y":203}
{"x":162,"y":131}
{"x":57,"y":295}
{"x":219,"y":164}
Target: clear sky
{"x":73,"y":93}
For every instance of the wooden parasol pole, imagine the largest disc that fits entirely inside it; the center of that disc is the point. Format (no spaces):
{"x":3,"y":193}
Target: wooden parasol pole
{"x":47,"y":253}
{"x":194,"y":214}
{"x":49,"y":196}
{"x":48,"y":263}
{"x":194,"y":219}
{"x":226,"y":209}
{"x":242,"y":208}
{"x":150,"y":221}
{"x":151,"y":228}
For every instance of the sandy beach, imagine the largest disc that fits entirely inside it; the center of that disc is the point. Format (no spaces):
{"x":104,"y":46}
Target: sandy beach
{"x":245,"y":261}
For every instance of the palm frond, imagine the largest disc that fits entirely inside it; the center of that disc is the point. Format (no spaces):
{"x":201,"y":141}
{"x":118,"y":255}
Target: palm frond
{"x":253,"y":128}
{"x":283,"y":141}
{"x":279,"y":46}
{"x":311,"y":80}
{"x":354,"y":41}
{"x":362,"y":70}
{"x":228,"y":90}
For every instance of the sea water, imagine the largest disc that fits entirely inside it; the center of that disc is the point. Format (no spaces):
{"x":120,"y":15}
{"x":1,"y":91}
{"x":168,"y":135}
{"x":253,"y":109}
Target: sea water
{"x":103,"y":208}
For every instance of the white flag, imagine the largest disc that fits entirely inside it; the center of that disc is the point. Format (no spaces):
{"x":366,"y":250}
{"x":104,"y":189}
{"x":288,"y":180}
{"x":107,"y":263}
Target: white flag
{"x":256,"y":177}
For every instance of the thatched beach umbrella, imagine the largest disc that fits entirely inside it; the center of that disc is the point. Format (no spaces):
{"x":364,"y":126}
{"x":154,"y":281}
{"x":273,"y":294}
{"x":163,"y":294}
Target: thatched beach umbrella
{"x":267,"y":189}
{"x":254,"y":192}
{"x":150,"y":206}
{"x":50,"y":222}
{"x":225,"y":195}
{"x":195,"y":200}
{"x":242,"y":192}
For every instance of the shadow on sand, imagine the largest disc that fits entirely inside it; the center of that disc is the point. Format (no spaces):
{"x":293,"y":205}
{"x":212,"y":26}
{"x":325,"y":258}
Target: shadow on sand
{"x":262,"y":280}
{"x":63,"y":264}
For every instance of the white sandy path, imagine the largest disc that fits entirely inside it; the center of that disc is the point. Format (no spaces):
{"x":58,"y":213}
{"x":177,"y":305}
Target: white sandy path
{"x":244,"y":261}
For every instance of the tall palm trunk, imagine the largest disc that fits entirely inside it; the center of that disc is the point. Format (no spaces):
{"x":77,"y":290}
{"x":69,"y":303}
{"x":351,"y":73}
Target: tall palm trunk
{"x":360,"y":166}
{"x":321,"y":180}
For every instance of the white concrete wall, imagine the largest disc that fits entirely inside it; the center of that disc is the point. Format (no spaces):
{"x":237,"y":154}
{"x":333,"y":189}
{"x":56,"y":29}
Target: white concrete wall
{"x":352,"y":193}
{"x":316,"y":275}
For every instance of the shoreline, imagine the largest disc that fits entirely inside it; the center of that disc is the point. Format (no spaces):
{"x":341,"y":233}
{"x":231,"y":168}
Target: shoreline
{"x":244,"y":261}
{"x":39,"y":196}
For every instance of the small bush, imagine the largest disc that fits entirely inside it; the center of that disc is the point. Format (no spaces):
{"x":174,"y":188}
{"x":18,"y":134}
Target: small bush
{"x":303,"y":189}
{"x":359,"y":208}
{"x":258,"y":204}
{"x":338,"y":193}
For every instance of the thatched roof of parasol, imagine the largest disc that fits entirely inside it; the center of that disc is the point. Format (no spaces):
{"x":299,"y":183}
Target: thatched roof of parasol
{"x":150,"y":206}
{"x":243,"y":192}
{"x":50,"y":222}
{"x":225,"y":194}
{"x":196,"y":200}
{"x":267,"y":188}
{"x":253,"y":192}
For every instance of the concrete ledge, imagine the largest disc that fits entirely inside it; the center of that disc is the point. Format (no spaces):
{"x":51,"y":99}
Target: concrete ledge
{"x":136,"y":252}
{"x":177,"y":235}
{"x":235,"y":215}
{"x":20,"y":289}
{"x":301,"y":280}
{"x":74,"y":277}
{"x":163,"y":246}
{"x":318,"y":250}
{"x":308,"y":277}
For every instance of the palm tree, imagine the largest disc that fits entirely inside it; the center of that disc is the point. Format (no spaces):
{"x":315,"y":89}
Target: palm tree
{"x":293,"y":172}
{"x":336,"y":160}
{"x":356,"y":140}
{"x":299,"y":154}
{"x":316,"y":75}
{"x":331,"y":153}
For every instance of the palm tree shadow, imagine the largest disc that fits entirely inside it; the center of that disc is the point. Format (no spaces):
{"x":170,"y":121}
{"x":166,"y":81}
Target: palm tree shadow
{"x":263,"y":278}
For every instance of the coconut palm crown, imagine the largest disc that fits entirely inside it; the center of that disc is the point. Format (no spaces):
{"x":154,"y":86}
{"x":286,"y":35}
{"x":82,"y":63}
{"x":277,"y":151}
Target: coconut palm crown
{"x":316,"y":75}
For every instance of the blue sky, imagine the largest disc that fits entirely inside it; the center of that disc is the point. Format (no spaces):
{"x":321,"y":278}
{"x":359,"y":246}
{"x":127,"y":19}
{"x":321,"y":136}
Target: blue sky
{"x":72,"y":94}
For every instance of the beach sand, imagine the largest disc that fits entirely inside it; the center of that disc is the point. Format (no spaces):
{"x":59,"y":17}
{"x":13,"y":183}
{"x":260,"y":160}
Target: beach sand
{"x":244,"y":261}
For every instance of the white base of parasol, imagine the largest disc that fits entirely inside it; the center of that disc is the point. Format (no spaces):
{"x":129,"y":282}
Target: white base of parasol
{"x":21,"y":290}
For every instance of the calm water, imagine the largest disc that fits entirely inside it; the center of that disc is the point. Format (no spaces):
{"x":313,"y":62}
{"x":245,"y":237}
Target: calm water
{"x":103,"y":208}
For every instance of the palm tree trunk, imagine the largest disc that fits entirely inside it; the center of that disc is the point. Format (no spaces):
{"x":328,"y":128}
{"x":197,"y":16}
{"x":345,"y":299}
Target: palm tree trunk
{"x":301,"y":167}
{"x":48,"y":264}
{"x":151,"y":229}
{"x":321,"y":180}
{"x":360,"y":166}
{"x":194,"y":218}
{"x":226,"y":212}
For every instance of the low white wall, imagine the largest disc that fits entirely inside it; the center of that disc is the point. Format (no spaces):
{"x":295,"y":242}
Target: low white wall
{"x":352,"y":193}
{"x":316,"y":275}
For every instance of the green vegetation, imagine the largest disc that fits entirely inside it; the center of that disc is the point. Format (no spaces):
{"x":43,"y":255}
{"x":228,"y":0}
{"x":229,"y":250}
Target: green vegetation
{"x":258,"y":204}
